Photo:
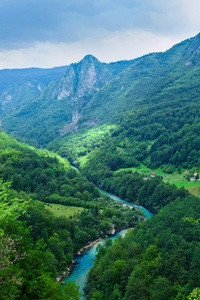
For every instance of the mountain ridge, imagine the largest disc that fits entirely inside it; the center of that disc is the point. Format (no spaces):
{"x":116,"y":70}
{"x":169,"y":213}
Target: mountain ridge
{"x":21,"y":85}
{"x":147,"y":76}
{"x":93,"y":93}
{"x":62,"y":100}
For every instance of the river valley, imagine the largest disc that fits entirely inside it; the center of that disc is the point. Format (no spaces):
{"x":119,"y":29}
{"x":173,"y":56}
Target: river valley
{"x":86,"y":259}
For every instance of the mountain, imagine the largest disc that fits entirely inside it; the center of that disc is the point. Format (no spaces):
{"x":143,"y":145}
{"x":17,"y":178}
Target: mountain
{"x":19,"y":85}
{"x":155,"y":78}
{"x":77,"y":84}
{"x":91,"y":93}
{"x":13,"y":96}
{"x":9,"y":77}
{"x":150,"y":112}
{"x":59,"y":106}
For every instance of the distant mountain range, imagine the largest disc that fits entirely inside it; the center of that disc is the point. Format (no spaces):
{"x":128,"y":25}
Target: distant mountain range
{"x":44,"y":104}
{"x":55,"y":109}
{"x":18,"y":85}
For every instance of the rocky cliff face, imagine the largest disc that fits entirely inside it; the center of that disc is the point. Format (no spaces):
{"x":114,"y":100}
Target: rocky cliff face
{"x":80,"y":80}
{"x":12,"y":97}
{"x":59,"y":106}
{"x":21,"y":86}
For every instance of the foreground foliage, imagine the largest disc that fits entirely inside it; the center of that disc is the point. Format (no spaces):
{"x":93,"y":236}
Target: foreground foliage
{"x":25,"y":267}
{"x":35,"y":244}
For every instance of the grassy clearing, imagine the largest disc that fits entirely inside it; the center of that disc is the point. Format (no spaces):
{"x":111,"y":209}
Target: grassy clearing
{"x":142,"y":169}
{"x":195,"y":190}
{"x":145,"y":171}
{"x":174,"y":178}
{"x":184,"y":183}
{"x":61,"y":210}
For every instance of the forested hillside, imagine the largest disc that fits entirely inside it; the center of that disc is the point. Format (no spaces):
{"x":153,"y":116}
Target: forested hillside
{"x":160,"y":128}
{"x":157,"y":260}
{"x":36,"y":241}
{"x":167,"y":137}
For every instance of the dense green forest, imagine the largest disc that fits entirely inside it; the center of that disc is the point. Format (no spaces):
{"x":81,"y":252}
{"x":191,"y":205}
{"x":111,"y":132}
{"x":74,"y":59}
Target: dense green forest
{"x":160,"y":135}
{"x":55,"y":239}
{"x":159,"y":259}
{"x":30,"y":232}
{"x":168,"y":138}
{"x":150,"y":112}
{"x":25,"y":270}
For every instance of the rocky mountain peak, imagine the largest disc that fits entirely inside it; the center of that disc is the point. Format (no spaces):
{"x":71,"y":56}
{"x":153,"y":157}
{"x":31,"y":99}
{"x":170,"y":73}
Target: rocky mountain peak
{"x":90,"y":58}
{"x":77,"y":84}
{"x":82,"y":78}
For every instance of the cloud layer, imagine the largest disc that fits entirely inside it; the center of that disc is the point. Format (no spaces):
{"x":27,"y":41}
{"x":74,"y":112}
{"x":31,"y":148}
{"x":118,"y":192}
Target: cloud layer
{"x":29,"y":24}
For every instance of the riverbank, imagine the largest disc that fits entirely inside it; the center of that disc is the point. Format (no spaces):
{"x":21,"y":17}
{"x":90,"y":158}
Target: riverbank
{"x":86,"y":261}
{"x":89,"y":246}
{"x":66,"y":273}
{"x":69,"y":269}
{"x":146,"y":211}
{"x":115,"y":197}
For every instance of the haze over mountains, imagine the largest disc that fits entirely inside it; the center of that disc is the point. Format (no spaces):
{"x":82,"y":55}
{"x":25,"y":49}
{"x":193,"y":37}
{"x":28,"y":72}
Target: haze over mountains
{"x":18,"y":85}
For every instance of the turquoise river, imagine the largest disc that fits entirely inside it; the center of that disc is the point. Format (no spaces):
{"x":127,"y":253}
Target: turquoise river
{"x":85,"y":261}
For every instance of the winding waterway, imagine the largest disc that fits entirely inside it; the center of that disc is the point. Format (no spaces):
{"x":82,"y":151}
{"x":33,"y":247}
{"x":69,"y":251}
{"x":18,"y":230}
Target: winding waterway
{"x":147,"y":213}
{"x":85,"y":261}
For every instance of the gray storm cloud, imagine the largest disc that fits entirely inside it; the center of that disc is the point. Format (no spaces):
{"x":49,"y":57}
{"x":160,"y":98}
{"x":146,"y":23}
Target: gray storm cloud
{"x":24,"y":22}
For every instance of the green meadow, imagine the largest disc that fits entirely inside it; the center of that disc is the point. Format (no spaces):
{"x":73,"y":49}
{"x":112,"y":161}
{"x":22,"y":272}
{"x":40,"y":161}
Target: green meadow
{"x":174,"y":178}
{"x":61,"y":210}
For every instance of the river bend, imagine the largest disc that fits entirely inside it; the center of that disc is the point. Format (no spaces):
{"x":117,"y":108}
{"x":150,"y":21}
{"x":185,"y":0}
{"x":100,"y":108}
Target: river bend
{"x":86,"y":260}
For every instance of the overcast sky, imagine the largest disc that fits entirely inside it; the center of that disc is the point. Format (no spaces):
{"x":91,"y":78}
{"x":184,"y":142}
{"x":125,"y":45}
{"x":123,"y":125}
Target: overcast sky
{"x":48,"y":33}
